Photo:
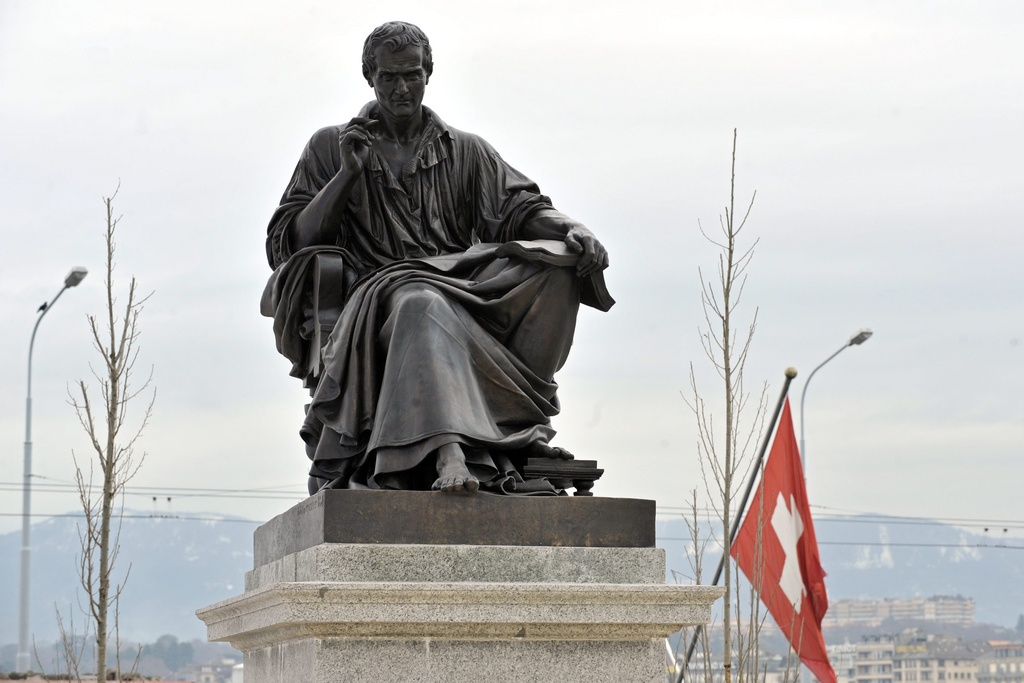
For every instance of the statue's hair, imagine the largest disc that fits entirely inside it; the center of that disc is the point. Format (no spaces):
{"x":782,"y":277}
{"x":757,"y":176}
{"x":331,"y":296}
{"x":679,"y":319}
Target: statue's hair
{"x":396,"y":35}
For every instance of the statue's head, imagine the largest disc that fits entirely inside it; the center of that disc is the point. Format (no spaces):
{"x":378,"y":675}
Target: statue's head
{"x":394,"y":35}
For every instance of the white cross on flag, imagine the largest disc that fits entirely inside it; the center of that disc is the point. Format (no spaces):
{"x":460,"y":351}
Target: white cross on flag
{"x":782,"y":561}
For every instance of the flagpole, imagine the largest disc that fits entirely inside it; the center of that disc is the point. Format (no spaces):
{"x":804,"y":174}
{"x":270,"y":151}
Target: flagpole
{"x":790,"y":376}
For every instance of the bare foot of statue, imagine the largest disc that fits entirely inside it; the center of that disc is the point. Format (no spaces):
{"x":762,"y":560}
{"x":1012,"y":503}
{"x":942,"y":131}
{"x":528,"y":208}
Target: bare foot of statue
{"x":452,"y":473}
{"x":542,"y":449}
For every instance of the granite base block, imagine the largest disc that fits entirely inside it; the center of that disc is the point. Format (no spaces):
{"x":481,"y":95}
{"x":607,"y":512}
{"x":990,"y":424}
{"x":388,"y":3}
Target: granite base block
{"x":457,"y":563}
{"x":441,"y":661}
{"x":461,"y":611}
{"x":434,"y":631}
{"x":412,"y":586}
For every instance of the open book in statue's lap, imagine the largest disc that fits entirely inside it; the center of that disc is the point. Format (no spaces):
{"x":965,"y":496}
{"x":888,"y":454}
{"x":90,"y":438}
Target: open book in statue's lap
{"x":427,"y":292}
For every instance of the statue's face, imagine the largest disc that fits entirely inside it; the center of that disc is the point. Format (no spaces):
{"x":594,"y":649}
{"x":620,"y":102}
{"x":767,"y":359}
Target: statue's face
{"x":400,"y":80}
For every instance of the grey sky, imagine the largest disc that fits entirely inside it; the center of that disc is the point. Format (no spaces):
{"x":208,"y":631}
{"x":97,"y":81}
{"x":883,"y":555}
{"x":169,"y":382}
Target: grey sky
{"x":883,"y":140}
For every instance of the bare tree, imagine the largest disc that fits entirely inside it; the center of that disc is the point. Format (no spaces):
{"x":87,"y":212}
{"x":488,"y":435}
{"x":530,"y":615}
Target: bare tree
{"x":689,"y":639}
{"x":112,"y":455}
{"x":724,"y":449}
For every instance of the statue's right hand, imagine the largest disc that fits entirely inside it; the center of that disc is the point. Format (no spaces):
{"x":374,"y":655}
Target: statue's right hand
{"x":355,"y":141}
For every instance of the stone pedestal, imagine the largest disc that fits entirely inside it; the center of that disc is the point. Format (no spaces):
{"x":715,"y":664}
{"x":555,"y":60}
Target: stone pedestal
{"x":319,"y":612}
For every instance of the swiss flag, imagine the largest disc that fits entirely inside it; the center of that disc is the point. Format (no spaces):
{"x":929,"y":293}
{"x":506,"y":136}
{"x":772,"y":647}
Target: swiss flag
{"x":784,"y":566}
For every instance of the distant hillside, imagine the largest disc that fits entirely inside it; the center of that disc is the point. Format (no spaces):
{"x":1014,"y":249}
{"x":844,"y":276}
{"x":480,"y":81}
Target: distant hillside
{"x":179,"y":565}
{"x":873,"y":557}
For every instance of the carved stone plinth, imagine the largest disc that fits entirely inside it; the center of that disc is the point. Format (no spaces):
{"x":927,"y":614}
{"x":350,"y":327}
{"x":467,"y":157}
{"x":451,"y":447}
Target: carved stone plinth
{"x":456,"y":612}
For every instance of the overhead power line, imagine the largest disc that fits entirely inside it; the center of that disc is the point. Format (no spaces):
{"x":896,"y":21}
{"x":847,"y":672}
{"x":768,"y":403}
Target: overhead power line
{"x":134,"y":515}
{"x":880,"y":544}
{"x":275,"y":493}
{"x":297,"y":493}
{"x":857,"y":517}
{"x":872,"y":543}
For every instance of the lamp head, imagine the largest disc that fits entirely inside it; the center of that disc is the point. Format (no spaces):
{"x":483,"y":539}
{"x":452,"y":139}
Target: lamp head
{"x":860,"y":337}
{"x":76,"y":275}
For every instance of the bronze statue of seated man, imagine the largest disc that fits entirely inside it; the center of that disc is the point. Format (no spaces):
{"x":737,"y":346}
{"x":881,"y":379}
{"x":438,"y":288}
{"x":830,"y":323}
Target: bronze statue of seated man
{"x":456,"y":285}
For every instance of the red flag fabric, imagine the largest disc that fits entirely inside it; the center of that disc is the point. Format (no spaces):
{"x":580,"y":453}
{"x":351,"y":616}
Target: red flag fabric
{"x":782,"y":562}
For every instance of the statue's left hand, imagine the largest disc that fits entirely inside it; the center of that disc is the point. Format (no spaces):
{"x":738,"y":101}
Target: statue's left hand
{"x":593,"y":255}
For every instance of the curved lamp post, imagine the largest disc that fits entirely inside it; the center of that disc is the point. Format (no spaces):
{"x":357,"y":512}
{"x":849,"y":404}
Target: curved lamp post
{"x":74,"y":277}
{"x":855,"y":340}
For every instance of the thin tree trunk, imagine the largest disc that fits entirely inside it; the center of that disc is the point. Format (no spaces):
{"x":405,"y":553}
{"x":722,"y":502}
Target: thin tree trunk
{"x":729,"y":417}
{"x":114,"y":454}
{"x":721,"y":462}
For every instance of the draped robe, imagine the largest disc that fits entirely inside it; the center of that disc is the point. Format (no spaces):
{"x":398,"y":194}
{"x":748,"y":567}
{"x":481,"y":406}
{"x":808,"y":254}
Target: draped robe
{"x":440,"y":339}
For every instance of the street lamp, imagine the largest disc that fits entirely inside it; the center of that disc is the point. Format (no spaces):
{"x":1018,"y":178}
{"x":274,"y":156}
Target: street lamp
{"x":76,"y":275}
{"x":855,"y":340}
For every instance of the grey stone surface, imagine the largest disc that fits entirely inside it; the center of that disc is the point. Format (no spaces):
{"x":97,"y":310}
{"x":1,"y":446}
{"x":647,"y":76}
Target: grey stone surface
{"x":458,"y":611}
{"x":445,"y":661}
{"x":484,"y":564}
{"x":424,"y":517}
{"x":315,"y":660}
{"x":285,"y":663}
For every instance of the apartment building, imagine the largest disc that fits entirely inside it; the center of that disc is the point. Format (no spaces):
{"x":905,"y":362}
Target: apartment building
{"x":1003,"y":664}
{"x":938,"y":659}
{"x":844,"y":662}
{"x":874,"y":659}
{"x":941,"y":609}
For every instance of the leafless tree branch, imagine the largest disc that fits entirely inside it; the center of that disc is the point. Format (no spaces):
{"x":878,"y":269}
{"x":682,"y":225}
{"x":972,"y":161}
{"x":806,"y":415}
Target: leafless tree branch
{"x":725,"y":447}
{"x":113,"y":440}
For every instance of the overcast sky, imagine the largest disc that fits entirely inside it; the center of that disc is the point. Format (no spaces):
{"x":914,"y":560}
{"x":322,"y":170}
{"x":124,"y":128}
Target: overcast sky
{"x":883,"y":140}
